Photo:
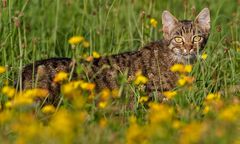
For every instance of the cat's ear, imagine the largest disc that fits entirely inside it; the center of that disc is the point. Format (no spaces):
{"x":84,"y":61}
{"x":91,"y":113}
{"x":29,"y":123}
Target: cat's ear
{"x":203,"y":19}
{"x":169,"y":22}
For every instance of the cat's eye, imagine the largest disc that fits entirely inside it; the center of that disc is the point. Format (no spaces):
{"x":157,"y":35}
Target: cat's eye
{"x":197,"y":39}
{"x":178,"y":40}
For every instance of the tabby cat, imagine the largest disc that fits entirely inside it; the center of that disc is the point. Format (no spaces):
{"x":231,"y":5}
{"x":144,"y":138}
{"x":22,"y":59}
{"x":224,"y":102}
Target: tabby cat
{"x":182,"y":42}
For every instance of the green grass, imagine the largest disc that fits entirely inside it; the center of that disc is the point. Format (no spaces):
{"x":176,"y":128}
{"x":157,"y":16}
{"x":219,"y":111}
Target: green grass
{"x":32,"y":30}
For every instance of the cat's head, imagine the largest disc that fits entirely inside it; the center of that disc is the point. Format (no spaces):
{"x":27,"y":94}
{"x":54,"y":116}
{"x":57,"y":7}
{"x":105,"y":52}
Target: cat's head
{"x":186,"y":38}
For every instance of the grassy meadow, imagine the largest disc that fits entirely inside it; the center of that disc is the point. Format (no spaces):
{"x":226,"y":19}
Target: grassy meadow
{"x":203,"y":110}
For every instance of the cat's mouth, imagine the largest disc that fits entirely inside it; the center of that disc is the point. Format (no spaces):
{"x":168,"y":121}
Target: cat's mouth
{"x":189,"y":58}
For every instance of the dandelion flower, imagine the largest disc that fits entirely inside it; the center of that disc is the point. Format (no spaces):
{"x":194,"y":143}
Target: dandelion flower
{"x":176,"y":124}
{"x":213,"y":96}
{"x":8,"y":104}
{"x":140,"y":79}
{"x":102,"y":105}
{"x":185,"y":80}
{"x":87,"y":86}
{"x":48,"y":109}
{"x":72,"y":88}
{"x":86,"y":44}
{"x":143,"y":99}
{"x":206,"y":109}
{"x":61,"y":76}
{"x":2,"y":69}
{"x":22,"y":100}
{"x":132,"y":119}
{"x":67,"y":88}
{"x":115,"y":93}
{"x":188,"y":68}
{"x":96,"y":55}
{"x":103,"y":122}
{"x":177,"y":68}
{"x":204,"y":56}
{"x":8,"y":91}
{"x":170,"y":94}
{"x":155,"y":109}
{"x":153,"y":22}
{"x":75,"y":40}
{"x":230,"y":113}
{"x":181,"y":68}
{"x":36,"y":92}
{"x":192,"y":133}
{"x":61,"y":123}
{"x":181,"y":82}
{"x":105,"y":94}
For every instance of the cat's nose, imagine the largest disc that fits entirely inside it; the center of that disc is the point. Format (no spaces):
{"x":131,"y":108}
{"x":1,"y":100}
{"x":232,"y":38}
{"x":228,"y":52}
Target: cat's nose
{"x":189,"y":47}
{"x":187,"y":51}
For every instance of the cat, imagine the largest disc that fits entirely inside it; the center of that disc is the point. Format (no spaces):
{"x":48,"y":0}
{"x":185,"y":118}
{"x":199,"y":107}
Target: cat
{"x":183,"y":41}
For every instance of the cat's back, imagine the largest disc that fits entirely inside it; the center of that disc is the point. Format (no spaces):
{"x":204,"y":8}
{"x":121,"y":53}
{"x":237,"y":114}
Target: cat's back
{"x":44,"y":70}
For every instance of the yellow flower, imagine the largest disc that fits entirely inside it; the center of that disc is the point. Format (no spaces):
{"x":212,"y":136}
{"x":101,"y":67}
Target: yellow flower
{"x":91,"y":96}
{"x":140,"y":79}
{"x":135,"y":133}
{"x":96,"y":55}
{"x":132,"y":119}
{"x":67,"y":88}
{"x":60,"y":76}
{"x":5,"y":116}
{"x":177,"y":68}
{"x":2,"y":69}
{"x":62,"y":125}
{"x":192,"y":133}
{"x":72,"y":88}
{"x":75,"y":40}
{"x":170,"y":94}
{"x":115,"y":93}
{"x":155,"y":109}
{"x":105,"y":94}
{"x":8,"y":91}
{"x":188,"y":68}
{"x":103,"y":122}
{"x":213,"y":96}
{"x":36,"y":92}
{"x":86,"y":44}
{"x":206,"y":109}
{"x":204,"y":56}
{"x":48,"y":109}
{"x":87,"y":86}
{"x":102,"y":104}
{"x":231,"y":113}
{"x":20,"y":101}
{"x":182,"y":81}
{"x":181,"y":68}
{"x":176,"y":124}
{"x":81,"y":116}
{"x":153,"y":22}
{"x":9,"y":104}
{"x":185,"y":80}
{"x":143,"y":99}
